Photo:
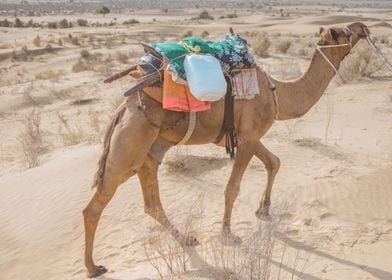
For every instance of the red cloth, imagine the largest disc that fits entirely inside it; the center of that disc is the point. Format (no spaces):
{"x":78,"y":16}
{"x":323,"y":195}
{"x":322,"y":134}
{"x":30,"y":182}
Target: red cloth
{"x":178,"y":97}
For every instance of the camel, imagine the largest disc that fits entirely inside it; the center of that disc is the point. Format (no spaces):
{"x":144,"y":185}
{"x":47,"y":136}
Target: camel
{"x":140,"y":130}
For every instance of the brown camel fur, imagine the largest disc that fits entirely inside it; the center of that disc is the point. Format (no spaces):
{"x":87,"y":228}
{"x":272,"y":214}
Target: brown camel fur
{"x":138,"y":128}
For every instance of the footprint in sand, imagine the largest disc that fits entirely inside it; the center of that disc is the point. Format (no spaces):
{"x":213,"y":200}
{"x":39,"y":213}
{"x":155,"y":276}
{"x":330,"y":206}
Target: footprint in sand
{"x":286,"y":217}
{"x":326,"y":216}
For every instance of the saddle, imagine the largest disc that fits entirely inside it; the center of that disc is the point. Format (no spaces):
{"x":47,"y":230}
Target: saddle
{"x":149,"y":72}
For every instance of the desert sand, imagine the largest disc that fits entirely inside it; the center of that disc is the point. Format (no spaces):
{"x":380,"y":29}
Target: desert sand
{"x":331,"y":202}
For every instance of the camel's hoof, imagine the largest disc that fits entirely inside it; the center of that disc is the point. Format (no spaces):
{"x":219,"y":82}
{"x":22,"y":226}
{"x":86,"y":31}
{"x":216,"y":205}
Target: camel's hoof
{"x":191,"y":241}
{"x":99,"y":270}
{"x":263,"y":213}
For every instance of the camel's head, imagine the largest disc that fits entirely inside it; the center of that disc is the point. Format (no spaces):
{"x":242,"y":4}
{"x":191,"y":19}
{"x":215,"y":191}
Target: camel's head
{"x":343,"y":38}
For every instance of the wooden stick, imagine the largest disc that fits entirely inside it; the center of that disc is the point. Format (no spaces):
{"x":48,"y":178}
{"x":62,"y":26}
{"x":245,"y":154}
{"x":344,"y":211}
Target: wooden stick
{"x":119,"y":75}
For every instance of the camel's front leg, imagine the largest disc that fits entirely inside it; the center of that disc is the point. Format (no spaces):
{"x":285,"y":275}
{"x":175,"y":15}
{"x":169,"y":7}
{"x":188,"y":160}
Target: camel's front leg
{"x":148,"y":176}
{"x":244,"y":153}
{"x":272,"y":164}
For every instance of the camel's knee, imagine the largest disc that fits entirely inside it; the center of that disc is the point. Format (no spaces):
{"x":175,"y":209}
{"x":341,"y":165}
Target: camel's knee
{"x":95,"y":207}
{"x":91,"y":215}
{"x":274,"y":164}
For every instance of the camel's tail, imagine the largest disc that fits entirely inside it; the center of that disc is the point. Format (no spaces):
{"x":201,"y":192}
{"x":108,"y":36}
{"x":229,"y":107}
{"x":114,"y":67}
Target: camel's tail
{"x":98,"y":178}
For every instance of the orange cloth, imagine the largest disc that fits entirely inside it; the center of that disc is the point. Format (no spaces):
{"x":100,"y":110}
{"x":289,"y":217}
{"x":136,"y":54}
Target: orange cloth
{"x":178,"y":97}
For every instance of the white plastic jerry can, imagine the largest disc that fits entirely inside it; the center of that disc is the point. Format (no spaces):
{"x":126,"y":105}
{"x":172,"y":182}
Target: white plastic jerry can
{"x":205,"y":77}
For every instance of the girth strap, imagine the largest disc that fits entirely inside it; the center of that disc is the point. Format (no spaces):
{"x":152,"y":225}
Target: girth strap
{"x":228,"y":128}
{"x":191,"y":128}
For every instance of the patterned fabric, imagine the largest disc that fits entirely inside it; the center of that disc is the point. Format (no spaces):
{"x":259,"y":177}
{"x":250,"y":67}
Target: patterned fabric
{"x":232,"y":52}
{"x":245,"y":84}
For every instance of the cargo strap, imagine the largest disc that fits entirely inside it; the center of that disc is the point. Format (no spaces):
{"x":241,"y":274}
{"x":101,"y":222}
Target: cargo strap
{"x":191,"y":127}
{"x":228,"y":128}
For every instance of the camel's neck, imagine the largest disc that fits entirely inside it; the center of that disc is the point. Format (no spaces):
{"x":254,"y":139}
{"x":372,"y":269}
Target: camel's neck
{"x":296,"y":97}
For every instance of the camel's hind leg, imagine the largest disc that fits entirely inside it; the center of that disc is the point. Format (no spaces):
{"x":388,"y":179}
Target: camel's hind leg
{"x":148,"y":176}
{"x":129,"y":146}
{"x":272,"y":164}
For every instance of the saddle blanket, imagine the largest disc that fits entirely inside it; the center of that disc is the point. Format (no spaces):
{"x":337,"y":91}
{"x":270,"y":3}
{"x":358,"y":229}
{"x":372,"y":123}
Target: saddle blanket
{"x":245,"y":84}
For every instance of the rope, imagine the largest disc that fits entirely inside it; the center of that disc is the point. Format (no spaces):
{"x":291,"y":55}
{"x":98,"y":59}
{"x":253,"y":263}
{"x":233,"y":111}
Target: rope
{"x":272,"y":87}
{"x":377,"y":51}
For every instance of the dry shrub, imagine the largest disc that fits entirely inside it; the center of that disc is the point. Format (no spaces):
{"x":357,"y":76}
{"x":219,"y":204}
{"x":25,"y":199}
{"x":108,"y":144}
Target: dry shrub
{"x":383,"y":24}
{"x":30,"y":139}
{"x":37,"y":41}
{"x":283,"y":46}
{"x":49,"y":75}
{"x":75,"y":41}
{"x":261,"y":44}
{"x":131,"y":22}
{"x":84,"y":54}
{"x":70,"y":135}
{"x":61,"y":94}
{"x":22,"y":55}
{"x":205,"y":34}
{"x":91,"y":39}
{"x":187,"y":34}
{"x":360,"y":63}
{"x":205,"y":15}
{"x":94,"y":122}
{"x":250,"y":260}
{"x":5,"y":46}
{"x":81,"y":22}
{"x":168,"y":256}
{"x":121,"y":57}
{"x":90,"y":62}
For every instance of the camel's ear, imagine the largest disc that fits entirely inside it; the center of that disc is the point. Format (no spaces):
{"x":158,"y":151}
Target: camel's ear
{"x":334,"y":34}
{"x":322,"y":30}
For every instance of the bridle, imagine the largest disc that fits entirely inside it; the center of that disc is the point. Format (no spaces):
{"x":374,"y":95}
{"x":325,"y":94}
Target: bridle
{"x":348,"y":32}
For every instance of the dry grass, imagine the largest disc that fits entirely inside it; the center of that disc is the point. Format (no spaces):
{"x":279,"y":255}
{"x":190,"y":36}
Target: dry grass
{"x":50,"y":75}
{"x":93,"y":62}
{"x":121,"y":57}
{"x":95,"y":125}
{"x":261,"y":44}
{"x":61,"y":94}
{"x":29,"y":140}
{"x":70,"y":135}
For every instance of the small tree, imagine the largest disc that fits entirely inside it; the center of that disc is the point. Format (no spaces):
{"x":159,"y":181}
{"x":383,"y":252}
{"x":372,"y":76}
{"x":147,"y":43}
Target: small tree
{"x":103,"y":10}
{"x":64,"y":23}
{"x":82,"y":22}
{"x":205,"y":15}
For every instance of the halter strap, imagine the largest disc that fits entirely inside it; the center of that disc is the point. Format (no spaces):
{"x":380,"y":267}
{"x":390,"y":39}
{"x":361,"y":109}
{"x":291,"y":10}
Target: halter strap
{"x":319,"y":48}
